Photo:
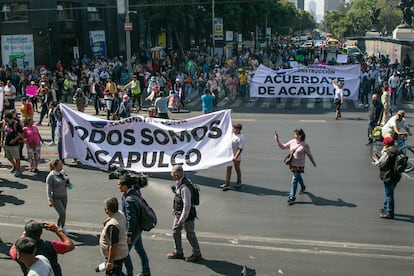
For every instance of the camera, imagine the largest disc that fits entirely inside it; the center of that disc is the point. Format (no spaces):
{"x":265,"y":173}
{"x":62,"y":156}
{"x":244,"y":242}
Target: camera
{"x":139,"y":180}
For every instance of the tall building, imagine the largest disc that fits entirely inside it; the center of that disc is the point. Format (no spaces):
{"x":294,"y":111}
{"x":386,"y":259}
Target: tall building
{"x":331,"y":5}
{"x":37,"y":32}
{"x":299,"y":4}
{"x":312,"y":8}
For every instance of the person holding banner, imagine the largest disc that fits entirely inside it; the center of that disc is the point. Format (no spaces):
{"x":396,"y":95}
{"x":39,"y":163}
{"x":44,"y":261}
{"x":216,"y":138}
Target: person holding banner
{"x":338,"y":98}
{"x":299,"y":148}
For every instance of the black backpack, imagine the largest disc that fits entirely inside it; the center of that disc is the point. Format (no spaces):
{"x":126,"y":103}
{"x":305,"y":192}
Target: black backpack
{"x":195,"y":193}
{"x":400,"y":164}
{"x":148,"y":217}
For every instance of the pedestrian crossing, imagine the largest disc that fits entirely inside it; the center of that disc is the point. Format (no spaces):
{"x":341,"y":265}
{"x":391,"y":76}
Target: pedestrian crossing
{"x":277,"y":103}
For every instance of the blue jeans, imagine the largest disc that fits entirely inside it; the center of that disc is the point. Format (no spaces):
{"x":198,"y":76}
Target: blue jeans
{"x":191,"y":237}
{"x":389,"y":197}
{"x":136,"y":242}
{"x":296,"y":178}
{"x":188,"y":91}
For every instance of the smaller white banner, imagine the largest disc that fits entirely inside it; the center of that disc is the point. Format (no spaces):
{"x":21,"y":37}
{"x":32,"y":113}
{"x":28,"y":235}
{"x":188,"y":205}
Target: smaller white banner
{"x":305,"y":82}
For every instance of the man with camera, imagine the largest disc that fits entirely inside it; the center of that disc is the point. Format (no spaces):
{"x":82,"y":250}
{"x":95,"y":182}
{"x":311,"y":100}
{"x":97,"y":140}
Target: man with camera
{"x":131,"y":207}
{"x":33,"y":229}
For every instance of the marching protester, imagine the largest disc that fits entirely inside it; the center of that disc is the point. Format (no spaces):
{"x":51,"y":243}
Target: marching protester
{"x":50,"y":249}
{"x":386,"y":164}
{"x":34,"y":143}
{"x":184,"y":214}
{"x":237,"y":143}
{"x":113,"y":240}
{"x":10,"y":136}
{"x":131,"y":207}
{"x":161,"y":106}
{"x":374,"y":116}
{"x":57,"y":183}
{"x":26,"y":109}
{"x":338,"y":98}
{"x":299,"y":149}
{"x":207,"y":101}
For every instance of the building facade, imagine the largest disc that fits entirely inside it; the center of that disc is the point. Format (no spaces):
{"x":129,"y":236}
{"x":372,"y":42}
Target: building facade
{"x":35,"y":33}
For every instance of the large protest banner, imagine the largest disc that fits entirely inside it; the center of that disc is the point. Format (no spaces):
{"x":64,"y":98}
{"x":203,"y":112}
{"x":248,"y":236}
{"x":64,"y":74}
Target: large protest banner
{"x":144,"y":144}
{"x":305,"y":82}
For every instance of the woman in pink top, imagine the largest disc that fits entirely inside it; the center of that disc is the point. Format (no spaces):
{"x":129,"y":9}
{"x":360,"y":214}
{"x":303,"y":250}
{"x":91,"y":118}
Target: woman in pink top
{"x":300,"y":149}
{"x":33,"y":142}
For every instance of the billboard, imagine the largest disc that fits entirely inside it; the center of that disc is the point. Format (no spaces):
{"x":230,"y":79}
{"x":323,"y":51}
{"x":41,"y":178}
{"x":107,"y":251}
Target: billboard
{"x":18,"y":50}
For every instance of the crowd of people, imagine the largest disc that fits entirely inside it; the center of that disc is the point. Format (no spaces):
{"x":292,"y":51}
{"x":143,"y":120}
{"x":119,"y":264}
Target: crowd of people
{"x":165,"y":85}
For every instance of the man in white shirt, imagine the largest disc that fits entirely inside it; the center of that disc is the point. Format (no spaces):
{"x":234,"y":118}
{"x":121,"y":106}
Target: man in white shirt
{"x":10,"y":93}
{"x":394,"y":83}
{"x":37,"y":265}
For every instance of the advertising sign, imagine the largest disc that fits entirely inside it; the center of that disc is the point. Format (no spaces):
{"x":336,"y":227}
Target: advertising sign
{"x":97,"y":43}
{"x":18,"y":50}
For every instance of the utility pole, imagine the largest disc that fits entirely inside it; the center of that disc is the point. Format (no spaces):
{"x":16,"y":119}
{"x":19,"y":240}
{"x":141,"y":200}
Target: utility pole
{"x":212,"y":34}
{"x":128,"y":38}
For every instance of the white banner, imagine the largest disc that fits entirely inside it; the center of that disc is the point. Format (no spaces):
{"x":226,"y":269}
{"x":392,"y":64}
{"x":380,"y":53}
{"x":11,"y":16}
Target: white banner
{"x":305,"y":82}
{"x":144,"y":144}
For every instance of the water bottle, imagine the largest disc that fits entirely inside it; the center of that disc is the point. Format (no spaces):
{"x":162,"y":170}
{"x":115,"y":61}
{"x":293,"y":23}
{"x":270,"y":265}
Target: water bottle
{"x":70,"y":187}
{"x":100,"y":267}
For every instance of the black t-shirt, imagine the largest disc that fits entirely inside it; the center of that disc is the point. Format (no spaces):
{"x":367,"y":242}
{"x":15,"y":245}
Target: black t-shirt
{"x":11,"y":130}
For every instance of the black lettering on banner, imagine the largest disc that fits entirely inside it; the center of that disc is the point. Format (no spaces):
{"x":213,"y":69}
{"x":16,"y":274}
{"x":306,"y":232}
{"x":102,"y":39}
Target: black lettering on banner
{"x":346,"y":92}
{"x":190,"y":153}
{"x":161,"y":139}
{"x":114,"y":137}
{"x":98,"y":153}
{"x":215,"y":132}
{"x":133,"y":157}
{"x":117,"y":160}
{"x":161,"y":163}
{"x":129,"y":137}
{"x":82,"y":132}
{"x":311,"y":90}
{"x":184,"y":135}
{"x":145,"y":163}
{"x":283,"y":91}
{"x":290,"y":90}
{"x":71,"y":129}
{"x":296,"y":79}
{"x":89,"y":155}
{"x":199,"y":136}
{"x":268,"y":79}
{"x":301,"y":91}
{"x":97,"y":136}
{"x":146,"y":134}
{"x":261,"y":90}
{"x":305,"y":79}
{"x":174,"y":156}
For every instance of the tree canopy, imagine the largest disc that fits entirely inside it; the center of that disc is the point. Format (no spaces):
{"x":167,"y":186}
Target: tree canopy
{"x":353,"y":19}
{"x":190,"y":21}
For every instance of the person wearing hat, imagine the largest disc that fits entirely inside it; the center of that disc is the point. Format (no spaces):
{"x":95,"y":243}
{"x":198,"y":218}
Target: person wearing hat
{"x":50,"y":249}
{"x":386,"y":163}
{"x":125,"y":108}
{"x":237,"y":143}
{"x":396,"y":125}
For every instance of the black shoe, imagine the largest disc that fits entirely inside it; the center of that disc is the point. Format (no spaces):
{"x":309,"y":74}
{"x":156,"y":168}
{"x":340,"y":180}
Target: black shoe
{"x":193,"y":258}
{"x":175,"y":256}
{"x":291,"y":201}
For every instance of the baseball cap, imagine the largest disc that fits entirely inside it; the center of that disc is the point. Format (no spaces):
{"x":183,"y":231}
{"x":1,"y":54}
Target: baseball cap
{"x":388,"y":141}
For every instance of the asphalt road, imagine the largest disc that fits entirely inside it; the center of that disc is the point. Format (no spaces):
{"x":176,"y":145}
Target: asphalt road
{"x":333,"y":229}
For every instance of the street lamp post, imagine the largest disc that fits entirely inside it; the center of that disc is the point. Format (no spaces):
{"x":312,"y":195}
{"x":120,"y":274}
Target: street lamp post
{"x":127,"y":37}
{"x":212,"y":34}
